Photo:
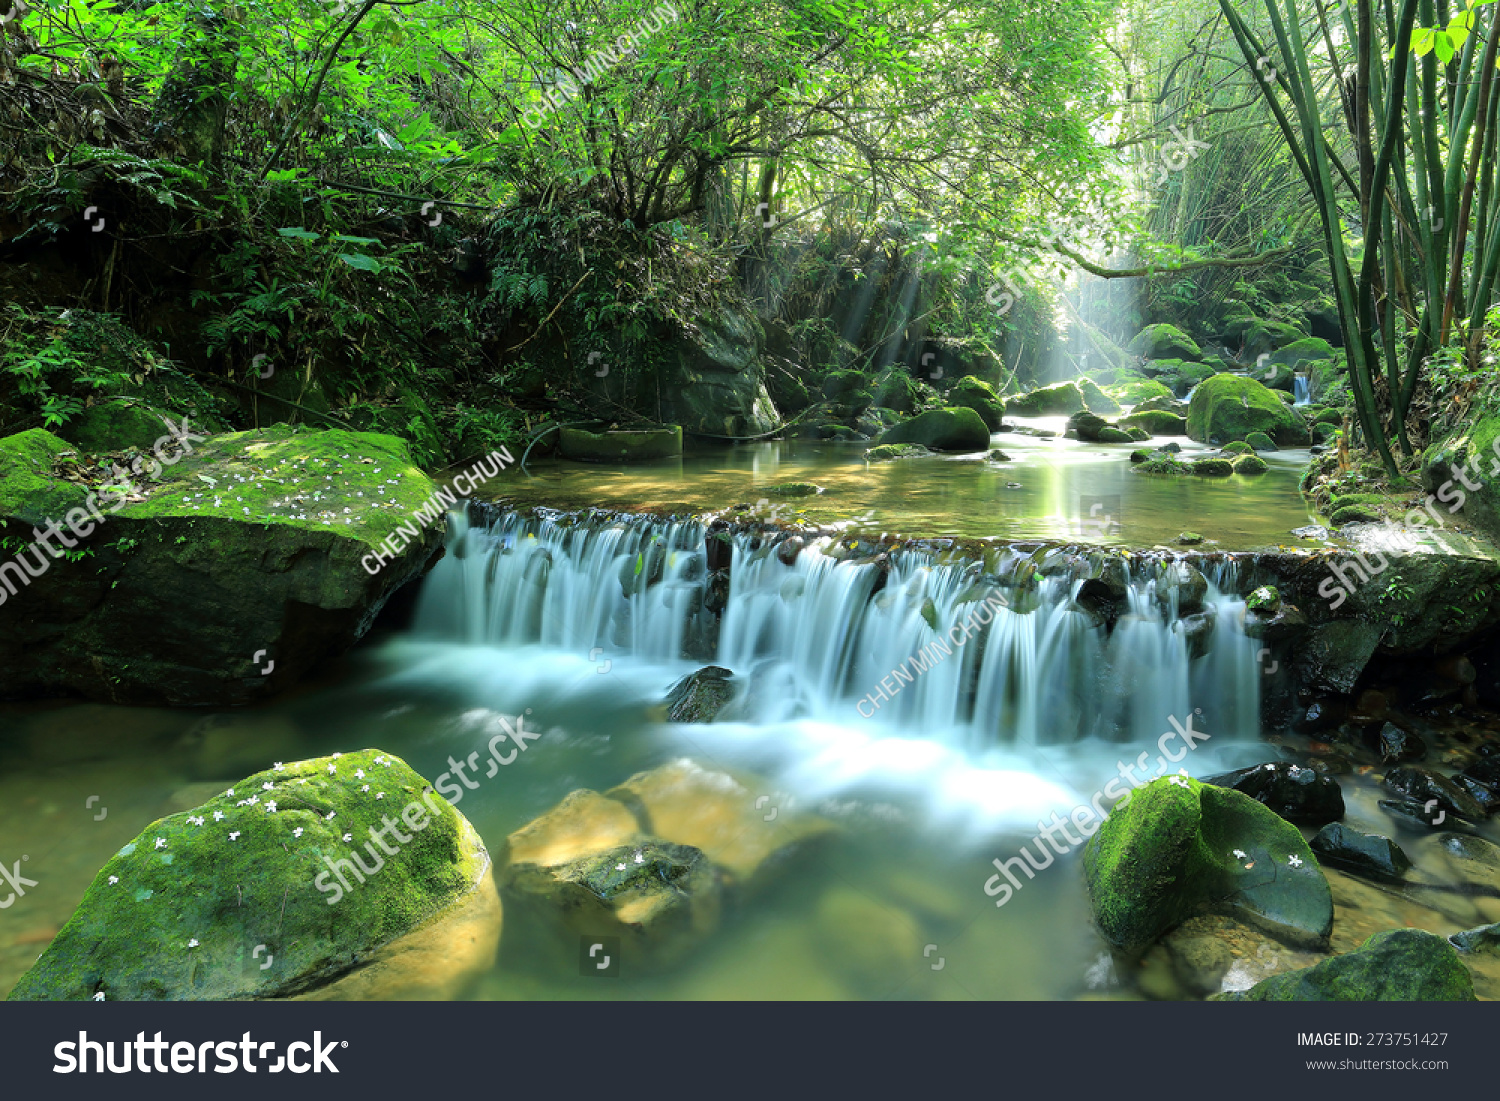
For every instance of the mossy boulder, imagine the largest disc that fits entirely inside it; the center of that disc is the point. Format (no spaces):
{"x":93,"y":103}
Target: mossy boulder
{"x":1251,"y":464}
{"x":1267,"y":336}
{"x":1212,"y":468}
{"x":115,"y":424}
{"x":1138,"y":435}
{"x":252,"y":541}
{"x":1260,"y":441}
{"x":1476,"y":451}
{"x":1324,"y":433}
{"x":1334,"y":417}
{"x":1228,"y":407}
{"x":1136,"y":391}
{"x":1156,"y":423}
{"x":1111,"y":434}
{"x":1354,"y":514}
{"x":792,"y":489}
{"x":1063,"y":398}
{"x":1305,"y":349}
{"x":1403,"y":965}
{"x":976,"y":394}
{"x":898,"y":391}
{"x":1140,"y":454}
{"x":1159,"y":463}
{"x":883,"y":453}
{"x":638,"y":445}
{"x":1178,"y":375}
{"x":699,"y":696}
{"x":1237,"y":447}
{"x":1096,"y":400}
{"x":1164,"y":342}
{"x":1176,"y":847}
{"x":942,"y":430}
{"x":179,"y":913}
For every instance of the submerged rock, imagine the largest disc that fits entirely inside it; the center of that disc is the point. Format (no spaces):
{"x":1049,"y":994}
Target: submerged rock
{"x":1295,"y":793}
{"x":1404,"y":965}
{"x":1396,"y":744}
{"x":887,"y":451}
{"x":341,"y":876}
{"x":1177,"y":847}
{"x":1485,"y":939}
{"x":1426,"y":787}
{"x":699,"y":696}
{"x":875,"y":948}
{"x":1368,"y":854}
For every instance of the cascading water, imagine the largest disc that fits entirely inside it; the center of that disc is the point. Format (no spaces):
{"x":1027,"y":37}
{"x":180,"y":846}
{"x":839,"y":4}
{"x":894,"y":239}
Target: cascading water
{"x":1301,"y":389}
{"x":937,"y":650}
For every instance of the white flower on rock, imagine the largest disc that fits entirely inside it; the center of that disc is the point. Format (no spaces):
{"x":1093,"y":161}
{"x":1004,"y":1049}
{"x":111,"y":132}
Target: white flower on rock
{"x":348,"y":837}
{"x":271,"y":807}
{"x":193,"y":943}
{"x":1239,"y":854}
{"x":1294,"y":860}
{"x":279,"y":767}
{"x":297,"y":832}
{"x":161,"y":843}
{"x":359,"y":774}
{"x":218,"y":816}
{"x":234,"y":835}
{"x":113,"y":880}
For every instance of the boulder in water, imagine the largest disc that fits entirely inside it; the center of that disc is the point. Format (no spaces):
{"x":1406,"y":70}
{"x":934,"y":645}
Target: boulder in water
{"x":1156,"y":422}
{"x":978,"y":395}
{"x":942,"y":430}
{"x":1176,"y":847}
{"x":1295,"y":793}
{"x":1164,"y":342}
{"x":699,"y":696}
{"x":1063,"y":398}
{"x":1229,"y":407}
{"x":1428,"y":787}
{"x":886,"y":452}
{"x":1404,"y":965}
{"x":1367,"y":854}
{"x":343,"y":876}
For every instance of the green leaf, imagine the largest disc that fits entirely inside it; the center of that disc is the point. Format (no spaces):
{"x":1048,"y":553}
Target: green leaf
{"x":1443,"y":46}
{"x":360,"y":262}
{"x":299,"y":233}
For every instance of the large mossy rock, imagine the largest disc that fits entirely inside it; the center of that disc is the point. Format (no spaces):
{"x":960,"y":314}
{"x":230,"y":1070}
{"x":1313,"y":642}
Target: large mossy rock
{"x":1138,"y":390}
{"x":1178,"y":375}
{"x":1156,"y":422}
{"x":1475,"y":452}
{"x":255,"y":547}
{"x":1305,"y":350}
{"x":1060,"y":399}
{"x":181,"y":912}
{"x":622,"y":445}
{"x":1164,"y":342}
{"x":717,"y":384}
{"x":1404,"y":965}
{"x":942,"y":430}
{"x":1178,"y":847}
{"x":976,"y":394}
{"x":1228,"y":407}
{"x":115,"y":424}
{"x":1096,"y":400}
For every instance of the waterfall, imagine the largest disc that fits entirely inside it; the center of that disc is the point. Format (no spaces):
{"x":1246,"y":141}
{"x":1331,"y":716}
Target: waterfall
{"x":1301,"y":389}
{"x":1025,"y":655}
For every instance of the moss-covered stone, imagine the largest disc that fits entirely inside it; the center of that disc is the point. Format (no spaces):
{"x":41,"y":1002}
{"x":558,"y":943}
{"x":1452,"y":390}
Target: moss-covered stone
{"x":838,"y":384}
{"x":886,"y":452}
{"x":1237,"y":447}
{"x":1228,"y":407}
{"x":621,"y":446}
{"x":976,"y":394}
{"x":942,"y":430}
{"x":1189,"y":539}
{"x":699,"y":696}
{"x":115,"y":424}
{"x":1177,"y":847}
{"x":264,"y":536}
{"x":177,"y":913}
{"x":1267,"y":336}
{"x":1063,"y":398}
{"x":1212,"y":468}
{"x":1135,"y":391}
{"x":1305,"y":349}
{"x":1164,"y":342}
{"x":1354,"y":514}
{"x":1251,"y":464}
{"x":1162,"y":464}
{"x":1178,"y":375}
{"x":1266,"y":599}
{"x":792,"y":489}
{"x":1475,"y":451}
{"x":1138,"y":435}
{"x":1324,"y":433}
{"x":1096,"y":400}
{"x":1110,"y":434}
{"x":1403,"y":965}
{"x":1140,"y":454}
{"x":898,"y":391}
{"x":1260,"y":441}
{"x":1156,"y":423}
{"x":29,"y":491}
{"x":1334,"y":417}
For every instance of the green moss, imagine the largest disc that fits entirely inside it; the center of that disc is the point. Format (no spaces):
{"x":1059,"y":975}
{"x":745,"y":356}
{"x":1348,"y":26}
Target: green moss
{"x":1228,"y":407}
{"x":1403,"y":965}
{"x":898,"y":391}
{"x":1164,"y":342}
{"x":839,"y":383}
{"x":1353,"y":514}
{"x":1138,"y":435}
{"x":1260,"y":441}
{"x":251,"y":876}
{"x":1237,"y":447}
{"x":1062,"y":398}
{"x":793,"y":489}
{"x":1251,"y":464}
{"x":1162,"y":464}
{"x":1140,"y":454}
{"x":980,"y":396}
{"x":28,"y":490}
{"x":1110,"y":434}
{"x":114,"y":424}
{"x":1212,"y":468}
{"x":1329,"y":416}
{"x":1096,"y":400}
{"x":1136,"y":391}
{"x":622,"y":446}
{"x":1267,"y":598}
{"x":1156,"y":422}
{"x":1305,"y":349}
{"x":942,"y":430}
{"x":1323,"y":433}
{"x":887,"y":451}
{"x":1345,"y":500}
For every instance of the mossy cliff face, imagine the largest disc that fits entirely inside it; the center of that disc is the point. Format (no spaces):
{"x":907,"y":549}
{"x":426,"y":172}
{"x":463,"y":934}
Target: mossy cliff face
{"x":1178,"y":847}
{"x":251,"y":541}
{"x":180,"y":913}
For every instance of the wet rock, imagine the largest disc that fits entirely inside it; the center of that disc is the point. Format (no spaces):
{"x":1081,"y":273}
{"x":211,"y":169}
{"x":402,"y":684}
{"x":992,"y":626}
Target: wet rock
{"x":1367,"y":854}
{"x":1395,"y":744}
{"x":1336,"y":653}
{"x":1265,"y":599}
{"x":1295,"y":793}
{"x":178,"y":912}
{"x":1170,"y":448}
{"x":1189,"y":539}
{"x":1404,"y":965}
{"x":953,"y":429}
{"x":1485,"y":939}
{"x":1486,"y":796}
{"x":1286,"y":623}
{"x":584,"y":822}
{"x":1473,"y":860}
{"x":887,"y":452}
{"x":997,"y":456}
{"x":1198,"y":629}
{"x":1414,"y":815}
{"x":1424,"y":787}
{"x":1185,"y":582}
{"x":788,"y":549}
{"x":1178,"y":847}
{"x":739,"y":824}
{"x":1311,"y":531}
{"x":1322,"y":715}
{"x":875,"y":948}
{"x":716,"y":599}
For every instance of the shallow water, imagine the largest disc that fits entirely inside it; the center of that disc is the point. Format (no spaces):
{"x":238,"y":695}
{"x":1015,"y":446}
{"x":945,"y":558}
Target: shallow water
{"x":1046,"y":491}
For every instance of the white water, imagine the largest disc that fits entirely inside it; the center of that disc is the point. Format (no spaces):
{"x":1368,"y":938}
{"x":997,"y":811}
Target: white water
{"x":532,"y":610}
{"x":1302,"y":390}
